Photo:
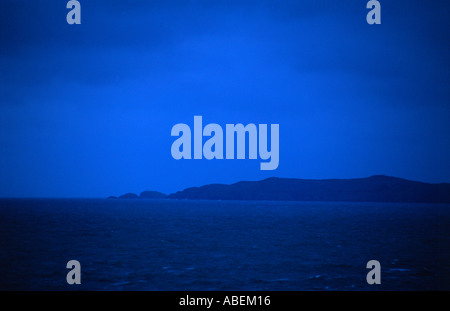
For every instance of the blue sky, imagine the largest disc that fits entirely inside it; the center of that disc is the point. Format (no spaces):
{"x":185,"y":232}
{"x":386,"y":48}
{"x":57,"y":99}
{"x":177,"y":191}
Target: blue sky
{"x":87,"y":110}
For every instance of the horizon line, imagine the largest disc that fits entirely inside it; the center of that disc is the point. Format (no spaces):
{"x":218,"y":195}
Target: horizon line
{"x":167,"y":194}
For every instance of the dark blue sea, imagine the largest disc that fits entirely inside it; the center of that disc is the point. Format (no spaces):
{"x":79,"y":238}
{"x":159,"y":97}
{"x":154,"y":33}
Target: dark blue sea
{"x":222,"y":245}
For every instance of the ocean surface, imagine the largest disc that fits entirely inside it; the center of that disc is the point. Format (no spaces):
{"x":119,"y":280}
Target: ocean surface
{"x":222,"y":245}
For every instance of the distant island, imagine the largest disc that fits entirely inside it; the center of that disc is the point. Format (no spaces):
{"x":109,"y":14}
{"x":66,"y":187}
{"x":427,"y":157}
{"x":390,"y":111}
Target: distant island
{"x":143,"y":195}
{"x":378,"y":188}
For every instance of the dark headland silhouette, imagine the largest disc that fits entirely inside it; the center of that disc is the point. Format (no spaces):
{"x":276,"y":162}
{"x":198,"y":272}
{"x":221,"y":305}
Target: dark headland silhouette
{"x":378,"y":188}
{"x":143,"y":195}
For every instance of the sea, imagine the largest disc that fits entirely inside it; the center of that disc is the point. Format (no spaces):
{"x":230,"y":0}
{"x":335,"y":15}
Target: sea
{"x":168,"y":245}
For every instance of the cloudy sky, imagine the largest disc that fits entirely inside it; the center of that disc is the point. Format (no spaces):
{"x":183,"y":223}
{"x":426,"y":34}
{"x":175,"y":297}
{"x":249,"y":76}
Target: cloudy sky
{"x":87,"y":110}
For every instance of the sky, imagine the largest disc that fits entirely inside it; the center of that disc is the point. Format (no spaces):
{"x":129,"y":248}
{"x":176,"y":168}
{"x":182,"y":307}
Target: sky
{"x":87,"y":110}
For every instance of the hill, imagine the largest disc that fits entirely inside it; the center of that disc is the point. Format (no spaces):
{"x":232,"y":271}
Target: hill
{"x":378,"y":188}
